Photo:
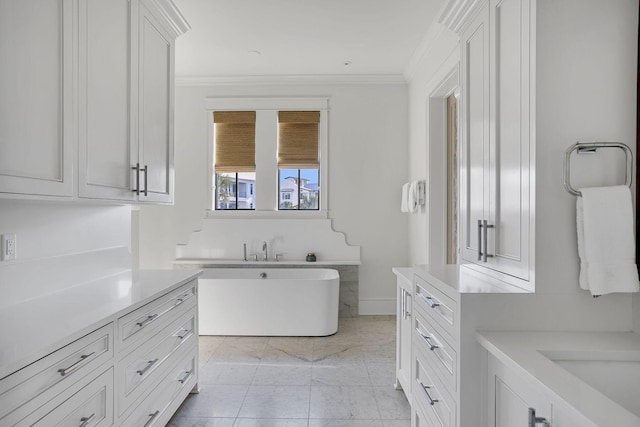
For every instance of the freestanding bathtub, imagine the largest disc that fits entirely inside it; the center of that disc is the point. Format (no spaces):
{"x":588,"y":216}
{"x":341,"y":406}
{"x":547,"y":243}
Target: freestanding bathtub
{"x":268,"y":301}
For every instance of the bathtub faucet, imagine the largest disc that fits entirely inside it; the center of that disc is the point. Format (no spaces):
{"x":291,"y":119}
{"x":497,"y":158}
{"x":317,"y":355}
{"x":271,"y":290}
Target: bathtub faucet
{"x":264,"y":249}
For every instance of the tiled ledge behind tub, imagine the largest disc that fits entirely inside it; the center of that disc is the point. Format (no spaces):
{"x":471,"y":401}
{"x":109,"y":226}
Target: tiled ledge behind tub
{"x":349,"y":296}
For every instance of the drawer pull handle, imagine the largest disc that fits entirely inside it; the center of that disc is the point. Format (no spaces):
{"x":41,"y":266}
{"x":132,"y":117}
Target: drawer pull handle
{"x":87,"y":420}
{"x":432,"y":302}
{"x":150,"y":363}
{"x":153,"y":417}
{"x":426,"y":388}
{"x":186,"y":377}
{"x":65,"y":371}
{"x":428,"y":339}
{"x":185,"y":333}
{"x":146,"y":321}
{"x":179,"y":301}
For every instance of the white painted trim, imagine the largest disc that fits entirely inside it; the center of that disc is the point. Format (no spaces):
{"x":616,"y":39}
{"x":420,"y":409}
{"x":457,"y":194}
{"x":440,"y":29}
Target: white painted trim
{"x":266,"y":103}
{"x":261,"y":214}
{"x":172,"y":16}
{"x":382,"y":306}
{"x":456,"y":13}
{"x":362,"y":79}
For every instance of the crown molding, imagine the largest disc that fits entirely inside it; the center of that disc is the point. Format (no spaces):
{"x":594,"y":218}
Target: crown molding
{"x":170,"y":12}
{"x":351,"y":79}
{"x":455,"y":13}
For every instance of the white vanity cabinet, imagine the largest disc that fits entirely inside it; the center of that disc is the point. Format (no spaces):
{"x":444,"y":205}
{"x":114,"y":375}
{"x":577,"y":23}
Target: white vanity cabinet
{"x":135,"y":368}
{"x":403,"y":333}
{"x":497,"y":140}
{"x":126,"y":84}
{"x":36,"y":93}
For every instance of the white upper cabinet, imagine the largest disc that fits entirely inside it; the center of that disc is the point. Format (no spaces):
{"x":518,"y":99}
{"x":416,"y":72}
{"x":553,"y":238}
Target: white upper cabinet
{"x":36,"y":89}
{"x":496,"y":162}
{"x":101,"y":70}
{"x":155,"y":108}
{"x":107,"y":146}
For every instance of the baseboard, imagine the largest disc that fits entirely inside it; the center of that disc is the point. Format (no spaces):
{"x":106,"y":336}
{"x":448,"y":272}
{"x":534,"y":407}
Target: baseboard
{"x":377,"y":306}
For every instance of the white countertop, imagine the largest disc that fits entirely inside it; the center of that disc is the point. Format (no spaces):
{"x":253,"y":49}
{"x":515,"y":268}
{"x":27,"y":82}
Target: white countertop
{"x":203,"y":262}
{"x":35,"y":327}
{"x":523,"y":352}
{"x":458,"y":279}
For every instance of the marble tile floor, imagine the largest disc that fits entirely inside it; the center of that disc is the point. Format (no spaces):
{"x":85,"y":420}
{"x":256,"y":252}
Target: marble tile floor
{"x":345,"y":380}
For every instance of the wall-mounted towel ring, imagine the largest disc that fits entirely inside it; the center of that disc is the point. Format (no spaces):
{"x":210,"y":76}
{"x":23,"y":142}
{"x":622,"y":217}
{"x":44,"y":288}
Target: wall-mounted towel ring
{"x":592,"y":147}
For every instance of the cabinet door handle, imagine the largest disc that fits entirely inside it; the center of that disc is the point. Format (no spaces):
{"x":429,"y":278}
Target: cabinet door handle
{"x":146,"y":178}
{"x":185,"y":333}
{"x":485,"y":228}
{"x":534,"y":421}
{"x":186,"y":377}
{"x":87,"y":420}
{"x":137,"y":188}
{"x":479,"y":240}
{"x":152,"y":419}
{"x":150,"y":363}
{"x":426,"y":388}
{"x":65,"y":371}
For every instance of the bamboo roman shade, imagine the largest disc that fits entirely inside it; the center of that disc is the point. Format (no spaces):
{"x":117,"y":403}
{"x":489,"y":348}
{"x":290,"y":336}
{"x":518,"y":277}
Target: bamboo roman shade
{"x":298,"y":139}
{"x":235,"y":141}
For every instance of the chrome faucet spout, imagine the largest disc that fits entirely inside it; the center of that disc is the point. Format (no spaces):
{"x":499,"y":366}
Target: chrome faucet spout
{"x":264,"y":249}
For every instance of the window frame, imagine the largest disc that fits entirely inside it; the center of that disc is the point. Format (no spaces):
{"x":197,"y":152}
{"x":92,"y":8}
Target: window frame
{"x":266,"y":187}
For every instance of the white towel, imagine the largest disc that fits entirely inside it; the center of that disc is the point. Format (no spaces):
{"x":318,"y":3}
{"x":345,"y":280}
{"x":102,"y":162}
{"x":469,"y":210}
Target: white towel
{"x":404,"y":204}
{"x":414,"y":196}
{"x":606,"y":244}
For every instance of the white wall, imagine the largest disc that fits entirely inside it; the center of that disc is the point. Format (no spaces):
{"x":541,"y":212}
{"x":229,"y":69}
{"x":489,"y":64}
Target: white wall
{"x":60,"y":245}
{"x":586,"y":90}
{"x":367,"y":166}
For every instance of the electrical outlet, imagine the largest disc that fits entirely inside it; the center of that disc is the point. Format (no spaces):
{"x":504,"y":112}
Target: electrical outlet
{"x":9,"y":247}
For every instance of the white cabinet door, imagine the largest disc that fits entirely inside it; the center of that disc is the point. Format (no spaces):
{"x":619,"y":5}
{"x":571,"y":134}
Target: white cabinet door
{"x":496,"y":176}
{"x":510,"y":398}
{"x":403,"y":337}
{"x":106,"y":146}
{"x":155,"y":108}
{"x":36,"y":123}
{"x":509,"y":172}
{"x":475,"y":160}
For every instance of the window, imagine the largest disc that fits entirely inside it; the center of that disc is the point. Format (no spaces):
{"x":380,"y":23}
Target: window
{"x":234,"y":163}
{"x":267,"y":155}
{"x":298,"y":159}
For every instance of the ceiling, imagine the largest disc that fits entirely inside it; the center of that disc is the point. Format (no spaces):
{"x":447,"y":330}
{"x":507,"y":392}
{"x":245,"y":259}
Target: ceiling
{"x":242,"y":38}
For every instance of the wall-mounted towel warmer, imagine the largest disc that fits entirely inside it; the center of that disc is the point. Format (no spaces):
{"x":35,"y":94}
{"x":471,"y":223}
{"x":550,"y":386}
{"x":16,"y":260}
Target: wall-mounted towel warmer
{"x":591,"y":147}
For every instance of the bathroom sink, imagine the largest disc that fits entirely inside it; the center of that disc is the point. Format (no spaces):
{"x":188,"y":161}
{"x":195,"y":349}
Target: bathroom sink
{"x":614,"y":374}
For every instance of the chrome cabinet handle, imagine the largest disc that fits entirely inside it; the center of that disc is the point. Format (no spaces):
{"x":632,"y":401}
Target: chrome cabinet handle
{"x":146,"y":321}
{"x":534,"y":421}
{"x":87,"y":420}
{"x":137,"y":169}
{"x":479,"y":240}
{"x":432,"y":302}
{"x":427,"y":338}
{"x":186,"y":377}
{"x":65,"y":371}
{"x":485,"y":228}
{"x":153,"y":417}
{"x":406,"y":306}
{"x":186,"y":333}
{"x":426,"y":388}
{"x":146,"y":178}
{"x":150,"y":363}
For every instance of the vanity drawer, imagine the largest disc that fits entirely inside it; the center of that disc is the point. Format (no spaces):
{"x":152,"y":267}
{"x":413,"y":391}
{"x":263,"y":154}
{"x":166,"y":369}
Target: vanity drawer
{"x":422,"y":418}
{"x":436,"y":305}
{"x":144,"y":367}
{"x":438,"y":351}
{"x":432,"y":395}
{"x":154,"y":314}
{"x":29,"y":388}
{"x":159,"y":405}
{"x":91,"y":406}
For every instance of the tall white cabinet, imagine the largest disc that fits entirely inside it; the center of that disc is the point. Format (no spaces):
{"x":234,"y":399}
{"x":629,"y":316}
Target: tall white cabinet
{"x":91,"y":115}
{"x":36,"y":93}
{"x":497,"y":160}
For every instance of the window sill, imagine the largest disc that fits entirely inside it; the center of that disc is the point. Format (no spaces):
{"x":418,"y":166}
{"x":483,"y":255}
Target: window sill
{"x":271,"y":214}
